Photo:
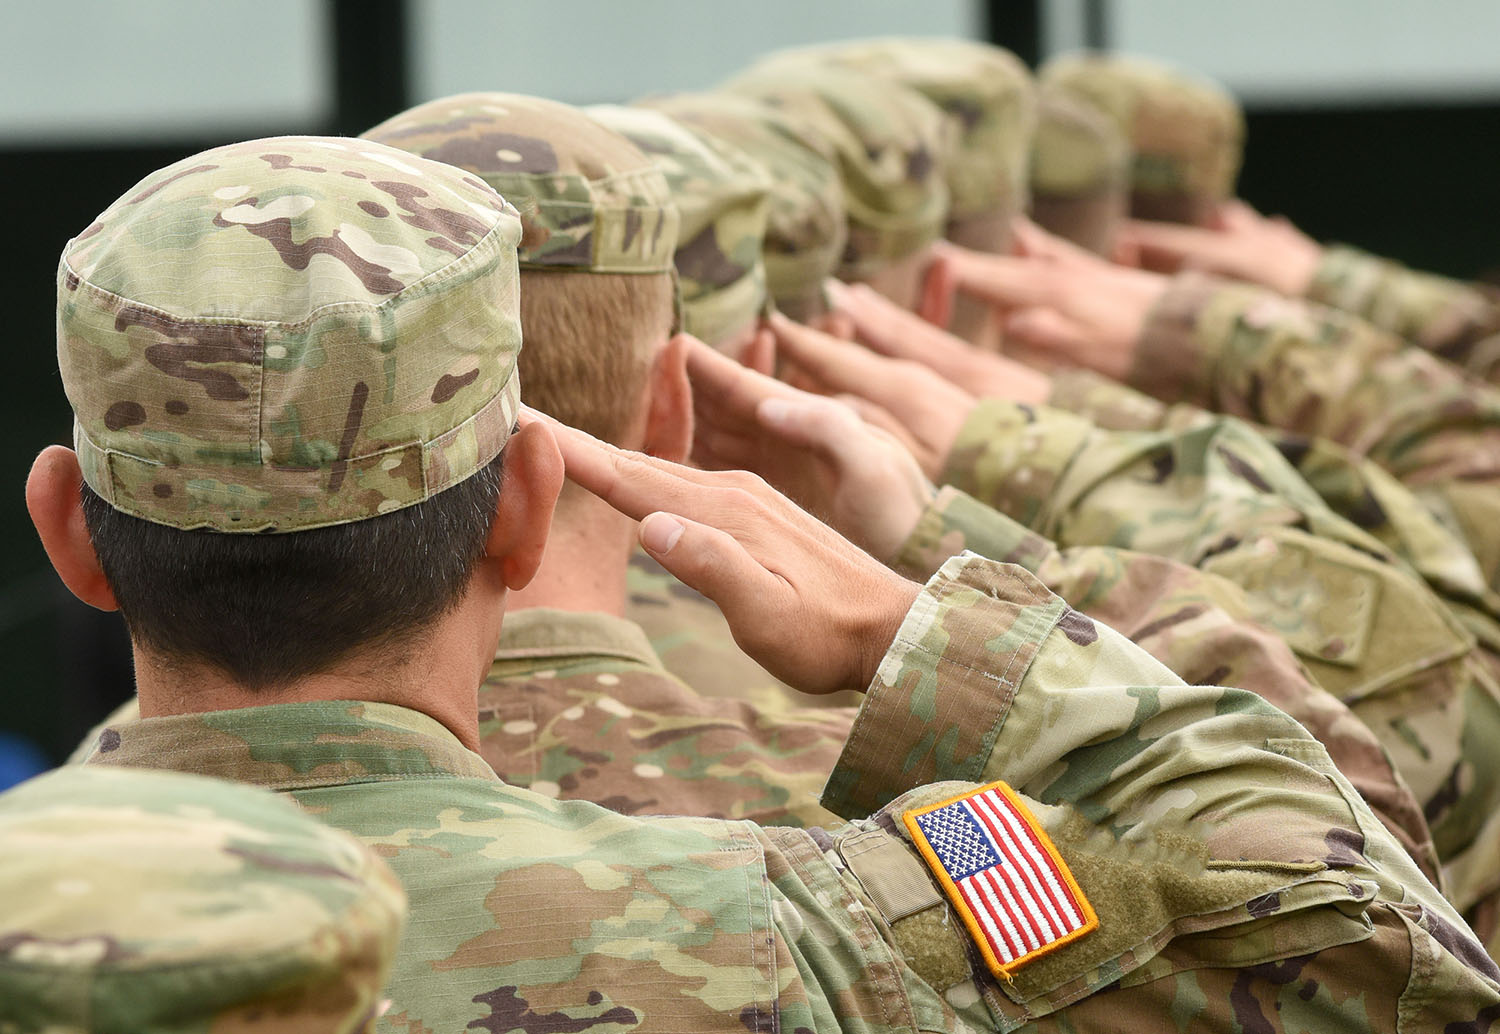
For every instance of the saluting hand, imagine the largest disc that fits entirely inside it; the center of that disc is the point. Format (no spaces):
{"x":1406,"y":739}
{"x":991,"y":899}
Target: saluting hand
{"x":812,"y":608}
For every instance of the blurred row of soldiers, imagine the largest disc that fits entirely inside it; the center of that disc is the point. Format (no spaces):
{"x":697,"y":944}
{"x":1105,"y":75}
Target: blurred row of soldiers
{"x":1112,"y":459}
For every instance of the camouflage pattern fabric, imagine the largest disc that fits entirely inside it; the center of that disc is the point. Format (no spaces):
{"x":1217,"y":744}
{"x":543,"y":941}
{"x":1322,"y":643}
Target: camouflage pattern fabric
{"x":1187,"y":134}
{"x":578,"y":706}
{"x":1353,"y":486}
{"x":892,"y":147}
{"x":722,"y":196}
{"x":1080,"y":172}
{"x":193,"y":338}
{"x":1206,"y":827}
{"x":1314,"y":371}
{"x":1223,"y":499}
{"x":985,"y":90}
{"x":597,"y":204}
{"x":805,"y":222}
{"x":152,"y":901}
{"x":1454,"y":320}
{"x":1198,"y":625}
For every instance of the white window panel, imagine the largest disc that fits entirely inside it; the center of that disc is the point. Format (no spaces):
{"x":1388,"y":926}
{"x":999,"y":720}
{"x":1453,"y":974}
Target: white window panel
{"x":1320,"y":51}
{"x":581,"y":51}
{"x":160,"y":69}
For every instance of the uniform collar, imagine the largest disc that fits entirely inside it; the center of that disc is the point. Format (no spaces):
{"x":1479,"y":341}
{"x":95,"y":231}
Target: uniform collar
{"x":294,"y":746}
{"x":540,"y":637}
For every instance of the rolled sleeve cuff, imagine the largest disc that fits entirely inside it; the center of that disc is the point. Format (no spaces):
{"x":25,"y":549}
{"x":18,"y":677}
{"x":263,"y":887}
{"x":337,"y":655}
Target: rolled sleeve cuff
{"x":947,"y":683}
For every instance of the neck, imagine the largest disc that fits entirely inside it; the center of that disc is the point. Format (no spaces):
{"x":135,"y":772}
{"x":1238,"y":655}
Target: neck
{"x":588,"y":555}
{"x":437,"y":671}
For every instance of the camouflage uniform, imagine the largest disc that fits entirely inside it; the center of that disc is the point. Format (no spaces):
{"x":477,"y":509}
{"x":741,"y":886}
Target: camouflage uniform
{"x":1236,"y":875}
{"x":1306,"y":369}
{"x":140,"y":901}
{"x":892,"y":147}
{"x":1219,"y":496}
{"x":805,"y":222}
{"x":687,"y":924}
{"x":1080,"y":172}
{"x":721,"y":194}
{"x":1187,"y":134}
{"x":1456,"y":321}
{"x":986,"y":92}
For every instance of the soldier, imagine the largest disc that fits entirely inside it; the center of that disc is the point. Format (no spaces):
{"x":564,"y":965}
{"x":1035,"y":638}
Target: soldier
{"x":604,"y":722}
{"x":892,"y":148}
{"x":316,"y":339}
{"x":988,"y":96}
{"x":147,"y":901}
{"x":806,"y":228}
{"x":1186,"y":134}
{"x":1189,"y":138}
{"x":1080,"y":173}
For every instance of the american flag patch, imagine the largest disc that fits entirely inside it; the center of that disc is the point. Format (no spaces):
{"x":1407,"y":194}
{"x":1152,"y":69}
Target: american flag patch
{"x":1003,"y":874}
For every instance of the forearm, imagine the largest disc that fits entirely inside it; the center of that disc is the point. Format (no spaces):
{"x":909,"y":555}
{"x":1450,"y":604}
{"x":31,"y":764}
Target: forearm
{"x":1452,"y":319}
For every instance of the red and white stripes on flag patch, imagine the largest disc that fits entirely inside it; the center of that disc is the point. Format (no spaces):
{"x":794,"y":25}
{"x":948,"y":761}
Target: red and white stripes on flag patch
{"x":1003,"y":874}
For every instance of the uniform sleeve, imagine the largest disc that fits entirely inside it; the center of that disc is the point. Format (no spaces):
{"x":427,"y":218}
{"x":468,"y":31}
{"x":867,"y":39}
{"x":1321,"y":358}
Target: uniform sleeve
{"x":1457,"y":321}
{"x":1245,"y":351}
{"x":1198,"y":625}
{"x":1140,"y":781}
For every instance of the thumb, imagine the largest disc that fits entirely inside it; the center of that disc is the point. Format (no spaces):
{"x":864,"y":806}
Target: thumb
{"x":706,"y":559}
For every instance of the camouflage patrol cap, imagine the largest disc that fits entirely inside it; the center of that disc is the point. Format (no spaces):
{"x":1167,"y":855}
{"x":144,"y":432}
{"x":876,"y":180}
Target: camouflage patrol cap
{"x":1080,"y":171}
{"x":987,"y":92}
{"x":721,"y":196}
{"x":589,"y":199}
{"x":892,"y":146}
{"x":134,"y":900}
{"x":289,"y":333}
{"x":805,"y":223}
{"x":1187,"y":133}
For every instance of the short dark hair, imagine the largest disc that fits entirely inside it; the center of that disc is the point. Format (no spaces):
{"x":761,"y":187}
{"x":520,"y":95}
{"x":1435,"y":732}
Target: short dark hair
{"x":269,"y":609}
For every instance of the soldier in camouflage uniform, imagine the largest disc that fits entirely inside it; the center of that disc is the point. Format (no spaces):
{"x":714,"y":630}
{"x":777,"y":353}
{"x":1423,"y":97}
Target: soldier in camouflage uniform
{"x":988,"y":96}
{"x":1080,"y":172}
{"x":1235,"y":876}
{"x":892,"y":147}
{"x":578,"y":705}
{"x":144,"y":901}
{"x":1220,"y":497}
{"x":806,"y":228}
{"x":1189,"y":136}
{"x":1186,"y":134}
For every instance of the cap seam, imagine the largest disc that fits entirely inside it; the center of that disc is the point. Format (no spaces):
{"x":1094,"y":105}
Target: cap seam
{"x":241,"y":321}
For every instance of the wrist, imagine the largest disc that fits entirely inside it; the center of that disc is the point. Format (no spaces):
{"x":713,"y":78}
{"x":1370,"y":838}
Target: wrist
{"x":882,"y":617}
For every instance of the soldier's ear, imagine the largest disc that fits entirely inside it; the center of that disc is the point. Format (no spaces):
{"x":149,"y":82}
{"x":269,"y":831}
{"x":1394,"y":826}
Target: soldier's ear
{"x":52,"y":499}
{"x":669,"y":403}
{"x":531,"y":482}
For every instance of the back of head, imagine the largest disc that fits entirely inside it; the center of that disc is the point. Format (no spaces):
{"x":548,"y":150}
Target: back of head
{"x":987,"y":93}
{"x":805,"y":223}
{"x":1187,"y":134}
{"x":599,"y":232}
{"x":722,"y":196}
{"x":892,"y":146}
{"x":135,"y":900}
{"x":300,"y":335}
{"x":1080,"y":172}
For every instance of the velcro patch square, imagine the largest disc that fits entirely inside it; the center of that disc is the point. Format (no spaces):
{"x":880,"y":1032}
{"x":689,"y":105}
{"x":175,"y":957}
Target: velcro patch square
{"x":1003,"y":874}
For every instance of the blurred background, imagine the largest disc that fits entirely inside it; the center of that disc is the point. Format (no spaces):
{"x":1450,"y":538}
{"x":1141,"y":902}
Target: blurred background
{"x":1375,"y":122}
